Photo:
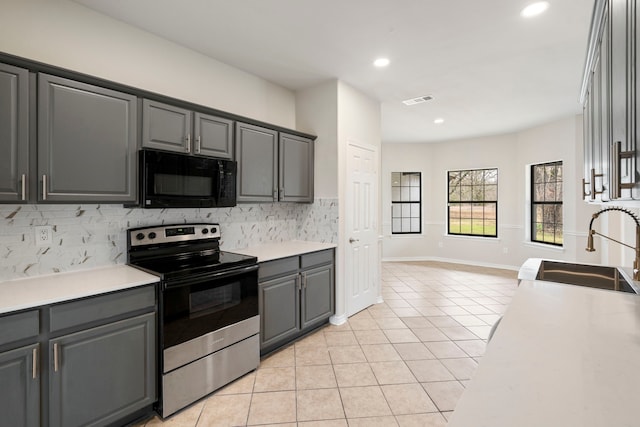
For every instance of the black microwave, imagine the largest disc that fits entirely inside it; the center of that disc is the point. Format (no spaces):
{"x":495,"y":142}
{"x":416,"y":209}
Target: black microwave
{"x":174,"y":180}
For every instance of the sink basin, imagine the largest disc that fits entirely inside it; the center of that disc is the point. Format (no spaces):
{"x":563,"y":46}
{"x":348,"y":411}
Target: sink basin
{"x":593,"y":276}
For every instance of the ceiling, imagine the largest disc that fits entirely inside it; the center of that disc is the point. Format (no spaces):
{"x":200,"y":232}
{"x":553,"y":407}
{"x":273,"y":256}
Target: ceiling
{"x":489,"y":70}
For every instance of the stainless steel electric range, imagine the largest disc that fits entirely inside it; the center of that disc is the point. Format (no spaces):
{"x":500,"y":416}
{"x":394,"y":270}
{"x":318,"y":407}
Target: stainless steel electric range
{"x":208,"y":309}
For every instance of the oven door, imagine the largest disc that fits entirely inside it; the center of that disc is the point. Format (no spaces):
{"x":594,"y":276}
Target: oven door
{"x":203,"y":314}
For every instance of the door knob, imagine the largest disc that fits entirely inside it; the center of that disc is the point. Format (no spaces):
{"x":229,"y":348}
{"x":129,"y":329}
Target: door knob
{"x":351,"y":240}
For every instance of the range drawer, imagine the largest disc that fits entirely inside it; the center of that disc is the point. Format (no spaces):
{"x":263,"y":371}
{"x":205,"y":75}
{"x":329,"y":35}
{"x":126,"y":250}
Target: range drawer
{"x":20,"y":326}
{"x":103,"y":307}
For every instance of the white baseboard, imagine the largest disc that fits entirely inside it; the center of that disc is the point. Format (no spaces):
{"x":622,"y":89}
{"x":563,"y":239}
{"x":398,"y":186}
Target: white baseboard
{"x":338,"y":320}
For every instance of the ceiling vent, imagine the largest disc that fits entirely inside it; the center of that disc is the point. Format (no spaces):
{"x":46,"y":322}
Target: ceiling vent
{"x":418,"y":100}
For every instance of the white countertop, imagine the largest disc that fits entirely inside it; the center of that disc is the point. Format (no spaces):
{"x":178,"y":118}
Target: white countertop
{"x":563,"y":355}
{"x":32,"y":292}
{"x":271,"y":251}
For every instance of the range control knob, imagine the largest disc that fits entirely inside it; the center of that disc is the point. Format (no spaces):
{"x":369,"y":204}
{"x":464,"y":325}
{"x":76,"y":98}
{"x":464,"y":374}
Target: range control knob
{"x":140,"y":236}
{"x":213,"y":229}
{"x":205,"y":231}
{"x":152,"y":235}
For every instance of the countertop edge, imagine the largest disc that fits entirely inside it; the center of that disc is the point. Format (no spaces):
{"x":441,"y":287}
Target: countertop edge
{"x":279,"y":250}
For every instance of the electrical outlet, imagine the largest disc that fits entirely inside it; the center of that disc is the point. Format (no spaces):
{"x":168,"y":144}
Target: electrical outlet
{"x":44,"y":235}
{"x":505,"y":250}
{"x":440,"y":244}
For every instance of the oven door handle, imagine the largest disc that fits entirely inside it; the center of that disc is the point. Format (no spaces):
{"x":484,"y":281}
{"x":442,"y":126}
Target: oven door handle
{"x":220,"y":275}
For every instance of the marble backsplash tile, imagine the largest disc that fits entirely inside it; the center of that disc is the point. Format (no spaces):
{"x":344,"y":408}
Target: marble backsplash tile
{"x":87,"y":236}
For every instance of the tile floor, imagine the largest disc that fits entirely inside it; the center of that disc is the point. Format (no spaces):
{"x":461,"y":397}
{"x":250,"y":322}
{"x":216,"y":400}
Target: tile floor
{"x":404,"y":362}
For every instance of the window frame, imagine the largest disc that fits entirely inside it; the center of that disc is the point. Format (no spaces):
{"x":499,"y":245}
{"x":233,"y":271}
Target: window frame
{"x":472,"y":202}
{"x":534,"y":204}
{"x":407,"y":202}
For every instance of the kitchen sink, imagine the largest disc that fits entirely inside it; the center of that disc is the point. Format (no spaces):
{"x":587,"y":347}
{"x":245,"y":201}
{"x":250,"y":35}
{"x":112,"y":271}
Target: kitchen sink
{"x":593,"y":276}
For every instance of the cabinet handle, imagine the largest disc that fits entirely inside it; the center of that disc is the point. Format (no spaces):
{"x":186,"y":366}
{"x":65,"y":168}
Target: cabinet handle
{"x":34,"y":364}
{"x":615,"y":170}
{"x":55,"y":357}
{"x":188,"y":142}
{"x":24,"y":187}
{"x":44,"y":187}
{"x":304,"y":280}
{"x":282,"y":191}
{"x":198,"y":144}
{"x":275,"y":194}
{"x":594,"y":175}
{"x":298,"y":283}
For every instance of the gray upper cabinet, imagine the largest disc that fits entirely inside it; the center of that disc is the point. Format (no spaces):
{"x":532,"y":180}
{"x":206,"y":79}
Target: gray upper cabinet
{"x":213,"y":136}
{"x":257,"y":156}
{"x":14,"y":134}
{"x":166,"y":127}
{"x":273,"y":167}
{"x":295,"y":169}
{"x":86,"y":142}
{"x":171,"y":128}
{"x":611,"y":155}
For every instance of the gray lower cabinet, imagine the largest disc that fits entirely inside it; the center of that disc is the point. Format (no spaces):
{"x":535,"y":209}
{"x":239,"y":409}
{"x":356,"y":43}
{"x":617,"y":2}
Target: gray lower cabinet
{"x":20,"y":387}
{"x":273,"y":166}
{"x":102,"y":374}
{"x":14,"y":134}
{"x":296,"y":295}
{"x":87,"y":142}
{"x":171,"y":128}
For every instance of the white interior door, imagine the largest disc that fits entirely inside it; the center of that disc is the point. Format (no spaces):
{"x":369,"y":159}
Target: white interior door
{"x":361,"y":233}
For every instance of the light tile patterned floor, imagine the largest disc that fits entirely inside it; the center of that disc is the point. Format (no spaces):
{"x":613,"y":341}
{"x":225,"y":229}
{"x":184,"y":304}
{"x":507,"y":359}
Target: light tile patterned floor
{"x":404,"y":362}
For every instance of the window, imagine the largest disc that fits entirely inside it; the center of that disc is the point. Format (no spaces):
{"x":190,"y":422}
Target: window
{"x":405,"y":203}
{"x":546,"y":203}
{"x":473,"y":203}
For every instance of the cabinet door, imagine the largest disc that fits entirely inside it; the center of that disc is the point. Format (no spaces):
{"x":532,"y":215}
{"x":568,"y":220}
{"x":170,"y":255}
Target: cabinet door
{"x":317,"y":295}
{"x":213,"y":136}
{"x":20,"y":390}
{"x":257,"y":156}
{"x":621,"y":167}
{"x":296,"y":169}
{"x":103,"y":374}
{"x":279,"y":304}
{"x":166,"y":127}
{"x":14,"y":133}
{"x":86,"y":142}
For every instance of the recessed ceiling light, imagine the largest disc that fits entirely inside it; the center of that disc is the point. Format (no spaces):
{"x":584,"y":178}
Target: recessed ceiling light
{"x":438,"y":121}
{"x":534,"y":9}
{"x":381,"y":62}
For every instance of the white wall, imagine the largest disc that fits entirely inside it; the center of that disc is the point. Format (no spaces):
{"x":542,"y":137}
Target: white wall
{"x":511,"y":154}
{"x":68,"y":35}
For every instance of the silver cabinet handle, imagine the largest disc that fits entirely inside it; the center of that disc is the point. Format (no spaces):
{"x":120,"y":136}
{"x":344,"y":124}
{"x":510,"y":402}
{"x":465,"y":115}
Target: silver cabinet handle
{"x":352,"y":240}
{"x":44,"y":187}
{"x":304,"y":280}
{"x":275,"y":194}
{"x":198,"y":144}
{"x":298,"y":283}
{"x":34,"y":364}
{"x":188,"y":142}
{"x":24,"y":187}
{"x":55,"y":357}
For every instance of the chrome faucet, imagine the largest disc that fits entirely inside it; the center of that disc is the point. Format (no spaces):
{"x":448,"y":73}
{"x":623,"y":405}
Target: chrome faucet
{"x":590,"y":248}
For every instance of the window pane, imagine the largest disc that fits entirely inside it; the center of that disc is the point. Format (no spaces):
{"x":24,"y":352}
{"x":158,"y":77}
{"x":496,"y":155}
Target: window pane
{"x":406,"y":210}
{"x":454,"y":194}
{"x":396,"y":210}
{"x":406,"y":180}
{"x":395,"y":194}
{"x":406,"y":225}
{"x":396,"y":225}
{"x":490,"y":211}
{"x":559,"y":192}
{"x":466,"y":193}
{"x":538,"y":174}
{"x":415,"y":225}
{"x":491,"y":176}
{"x":415,"y":210}
{"x":491,"y":192}
{"x":546,"y":207}
{"x":414,"y":195}
{"x":415,"y":180}
{"x":538,"y":193}
{"x":490,"y":228}
{"x":550,"y":192}
{"x":395,"y":179}
{"x":404,"y":194}
{"x":466,"y":177}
